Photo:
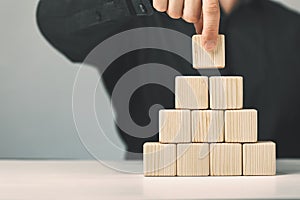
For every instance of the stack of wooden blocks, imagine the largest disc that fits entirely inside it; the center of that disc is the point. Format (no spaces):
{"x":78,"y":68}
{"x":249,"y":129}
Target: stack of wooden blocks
{"x":197,"y":141}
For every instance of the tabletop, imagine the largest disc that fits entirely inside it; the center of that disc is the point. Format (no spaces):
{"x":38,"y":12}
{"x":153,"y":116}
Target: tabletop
{"x":74,"y":180}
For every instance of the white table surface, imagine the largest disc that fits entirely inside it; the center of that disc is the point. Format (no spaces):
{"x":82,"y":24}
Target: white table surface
{"x":91,"y":180}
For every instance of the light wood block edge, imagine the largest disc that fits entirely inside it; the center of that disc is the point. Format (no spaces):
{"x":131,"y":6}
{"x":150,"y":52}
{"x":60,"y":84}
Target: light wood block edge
{"x":193,"y":159}
{"x":241,"y":125}
{"x":203,"y":59}
{"x":226,"y":92}
{"x":159,"y":159}
{"x":175,"y":126}
{"x":208,"y":126}
{"x":259,"y":159}
{"x":191,"y":92}
{"x":226,"y":159}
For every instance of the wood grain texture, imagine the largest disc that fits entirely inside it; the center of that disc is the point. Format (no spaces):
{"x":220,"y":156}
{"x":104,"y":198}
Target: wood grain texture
{"x":207,"y":126}
{"x":175,"y":126}
{"x":193,"y":159}
{"x":159,"y":159}
{"x":226,"y":92}
{"x":241,"y":125}
{"x":226,"y":159}
{"x":191,"y":92}
{"x":203,"y":59}
{"x":259,"y":158}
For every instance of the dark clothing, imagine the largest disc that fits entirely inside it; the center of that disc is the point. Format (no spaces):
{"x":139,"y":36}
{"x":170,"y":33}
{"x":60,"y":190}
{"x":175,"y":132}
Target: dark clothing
{"x":262,"y":41}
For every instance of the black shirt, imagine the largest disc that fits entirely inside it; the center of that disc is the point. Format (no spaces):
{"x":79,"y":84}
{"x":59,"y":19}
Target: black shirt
{"x":262,"y":41}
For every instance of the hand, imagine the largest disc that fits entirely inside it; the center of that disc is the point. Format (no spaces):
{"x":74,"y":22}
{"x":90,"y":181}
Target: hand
{"x":204,"y":14}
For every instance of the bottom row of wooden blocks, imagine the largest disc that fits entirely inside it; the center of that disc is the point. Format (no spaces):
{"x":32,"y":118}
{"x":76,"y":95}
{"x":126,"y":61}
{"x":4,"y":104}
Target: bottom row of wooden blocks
{"x":201,"y":159}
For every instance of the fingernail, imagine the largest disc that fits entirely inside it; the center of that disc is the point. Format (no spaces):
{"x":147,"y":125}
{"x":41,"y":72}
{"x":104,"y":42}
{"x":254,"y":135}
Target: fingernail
{"x":210,"y":45}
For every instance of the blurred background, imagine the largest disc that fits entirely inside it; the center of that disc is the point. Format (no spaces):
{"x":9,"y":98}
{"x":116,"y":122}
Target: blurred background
{"x":36,"y":83}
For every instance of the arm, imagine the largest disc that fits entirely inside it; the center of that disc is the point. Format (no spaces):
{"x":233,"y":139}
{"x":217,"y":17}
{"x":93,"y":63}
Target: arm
{"x":75,"y":27}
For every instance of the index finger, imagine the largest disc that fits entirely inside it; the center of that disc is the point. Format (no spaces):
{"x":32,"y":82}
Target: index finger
{"x":211,"y":22}
{"x":160,"y":5}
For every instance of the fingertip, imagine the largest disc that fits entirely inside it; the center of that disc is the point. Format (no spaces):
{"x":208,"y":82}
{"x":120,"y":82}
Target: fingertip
{"x":174,"y":15}
{"x":190,"y":18}
{"x":160,"y":5}
{"x":208,"y":42}
{"x":209,"y":39}
{"x":161,"y":9}
{"x":210,"y":45}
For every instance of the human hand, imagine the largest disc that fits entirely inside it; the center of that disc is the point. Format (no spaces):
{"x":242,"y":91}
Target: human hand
{"x":204,"y":14}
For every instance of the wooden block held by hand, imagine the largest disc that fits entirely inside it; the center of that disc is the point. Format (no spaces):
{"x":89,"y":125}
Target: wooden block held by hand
{"x":175,"y":126}
{"x":225,"y":159}
{"x":259,"y":159}
{"x":226,"y":92}
{"x":191,"y":92}
{"x":203,"y":59}
{"x":207,"y":126}
{"x":241,"y":125}
{"x":193,"y":159}
{"x":159,"y":159}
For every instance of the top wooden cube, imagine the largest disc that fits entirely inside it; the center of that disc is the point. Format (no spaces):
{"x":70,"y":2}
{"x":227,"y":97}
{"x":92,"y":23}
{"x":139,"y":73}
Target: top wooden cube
{"x":203,"y":59}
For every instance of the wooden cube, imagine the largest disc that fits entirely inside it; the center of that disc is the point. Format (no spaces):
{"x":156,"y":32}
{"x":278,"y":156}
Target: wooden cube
{"x":226,"y":92}
{"x":259,"y":158}
{"x":191,"y":92}
{"x":203,"y":59}
{"x":193,"y":159}
{"x":207,"y":126}
{"x":226,"y":159}
{"x":159,"y":159}
{"x":241,"y":125}
{"x":175,"y":126}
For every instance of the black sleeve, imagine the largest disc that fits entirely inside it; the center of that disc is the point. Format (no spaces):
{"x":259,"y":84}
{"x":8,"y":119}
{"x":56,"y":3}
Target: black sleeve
{"x":58,"y":21}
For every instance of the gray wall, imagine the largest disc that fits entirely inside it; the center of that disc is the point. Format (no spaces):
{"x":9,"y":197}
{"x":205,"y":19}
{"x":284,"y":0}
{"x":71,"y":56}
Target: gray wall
{"x":35,"y":92}
{"x":292,"y":4}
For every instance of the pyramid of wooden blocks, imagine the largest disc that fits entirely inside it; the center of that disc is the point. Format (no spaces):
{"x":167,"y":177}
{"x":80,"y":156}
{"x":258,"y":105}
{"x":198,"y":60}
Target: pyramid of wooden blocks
{"x":209,"y":133}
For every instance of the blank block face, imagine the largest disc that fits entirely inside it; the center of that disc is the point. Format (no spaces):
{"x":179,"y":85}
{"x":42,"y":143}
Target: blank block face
{"x":259,"y":158}
{"x":175,"y":126}
{"x":159,"y":159}
{"x":203,"y":59}
{"x":226,"y":92}
{"x":207,"y":126}
{"x":193,"y":159}
{"x":191,"y":92}
{"x":241,"y":125}
{"x":226,"y":159}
